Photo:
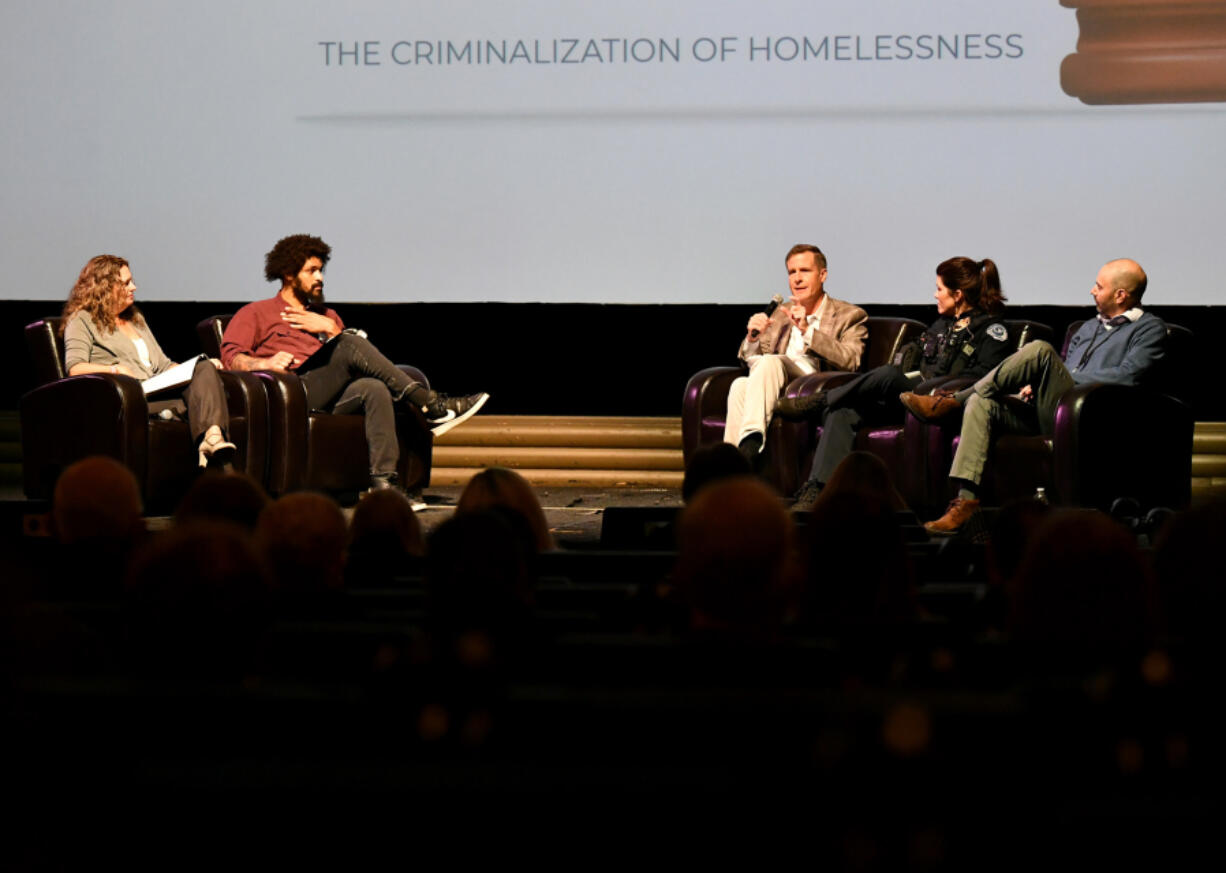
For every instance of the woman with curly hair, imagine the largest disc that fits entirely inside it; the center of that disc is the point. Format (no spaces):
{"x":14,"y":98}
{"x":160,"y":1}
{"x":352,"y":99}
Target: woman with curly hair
{"x":104,"y":332}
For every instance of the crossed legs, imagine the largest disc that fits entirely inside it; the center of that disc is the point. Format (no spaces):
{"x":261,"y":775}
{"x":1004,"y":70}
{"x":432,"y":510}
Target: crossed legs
{"x":984,"y":414}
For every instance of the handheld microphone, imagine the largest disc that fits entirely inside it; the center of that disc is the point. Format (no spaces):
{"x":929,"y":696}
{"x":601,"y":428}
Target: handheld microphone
{"x":776,"y":302}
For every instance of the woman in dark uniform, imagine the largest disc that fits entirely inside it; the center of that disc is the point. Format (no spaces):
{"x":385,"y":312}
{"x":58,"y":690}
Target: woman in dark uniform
{"x":967,"y":339}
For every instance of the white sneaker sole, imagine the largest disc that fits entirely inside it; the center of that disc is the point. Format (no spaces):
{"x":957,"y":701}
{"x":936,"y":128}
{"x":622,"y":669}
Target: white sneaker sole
{"x":443,"y":426}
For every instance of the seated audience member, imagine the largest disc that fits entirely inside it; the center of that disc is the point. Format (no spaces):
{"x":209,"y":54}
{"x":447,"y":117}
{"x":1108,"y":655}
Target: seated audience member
{"x":96,"y":516}
{"x":1008,"y":542}
{"x":1082,"y":585}
{"x":811,"y":332}
{"x":866,"y":475}
{"x":479,"y":564}
{"x":1122,"y":345}
{"x":481,"y":580}
{"x":479,"y":626}
{"x":303,"y":536}
{"x":500,"y":487}
{"x":736,"y":562}
{"x":858,"y":570}
{"x":197,"y":603}
{"x":384,"y":537}
{"x":967,"y":339}
{"x":343,"y":372}
{"x":1012,"y":532}
{"x":1187,"y":561}
{"x":105,"y":332}
{"x":233,"y":497}
{"x":97,"y":500}
{"x":712,"y":463}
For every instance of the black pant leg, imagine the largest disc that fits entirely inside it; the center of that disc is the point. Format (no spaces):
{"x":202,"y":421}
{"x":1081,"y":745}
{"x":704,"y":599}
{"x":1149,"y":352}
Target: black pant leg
{"x":839,"y":428}
{"x":871,"y":397}
{"x":370,"y":398}
{"x":347,"y":357}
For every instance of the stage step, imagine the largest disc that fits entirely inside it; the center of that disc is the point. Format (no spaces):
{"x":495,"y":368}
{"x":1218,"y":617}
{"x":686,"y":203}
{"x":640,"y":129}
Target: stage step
{"x":552,"y":430}
{"x":559,"y":451}
{"x":603,"y":452}
{"x":1208,"y":460}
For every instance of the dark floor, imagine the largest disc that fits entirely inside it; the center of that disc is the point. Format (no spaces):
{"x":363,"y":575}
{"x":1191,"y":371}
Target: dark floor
{"x":574,"y":514}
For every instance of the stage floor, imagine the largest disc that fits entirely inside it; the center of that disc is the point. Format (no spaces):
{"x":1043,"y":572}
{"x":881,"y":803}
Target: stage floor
{"x":574,"y":514}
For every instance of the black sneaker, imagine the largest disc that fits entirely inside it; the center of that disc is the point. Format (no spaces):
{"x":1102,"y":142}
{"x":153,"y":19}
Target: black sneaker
{"x":443,"y":412}
{"x":383,"y":483}
{"x":806,"y":497}
{"x":800,"y":408}
{"x":416,"y":500}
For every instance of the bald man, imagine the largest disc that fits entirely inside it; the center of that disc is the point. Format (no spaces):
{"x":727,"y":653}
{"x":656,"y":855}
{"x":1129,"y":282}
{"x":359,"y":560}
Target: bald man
{"x":1122,"y":345}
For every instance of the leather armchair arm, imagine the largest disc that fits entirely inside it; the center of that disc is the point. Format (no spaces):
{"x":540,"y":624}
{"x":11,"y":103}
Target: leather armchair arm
{"x":1122,"y":441}
{"x":63,"y":421}
{"x":948,"y":383}
{"x":704,"y":407}
{"x":413,"y":373}
{"x":246,"y":399}
{"x":816,"y":383}
{"x":288,"y":413}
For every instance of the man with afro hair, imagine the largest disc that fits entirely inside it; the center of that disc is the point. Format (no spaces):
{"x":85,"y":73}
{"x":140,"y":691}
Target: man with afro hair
{"x":342,"y":371}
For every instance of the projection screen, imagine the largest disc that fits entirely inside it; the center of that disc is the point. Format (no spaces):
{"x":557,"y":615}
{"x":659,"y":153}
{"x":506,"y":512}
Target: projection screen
{"x":631,"y":152}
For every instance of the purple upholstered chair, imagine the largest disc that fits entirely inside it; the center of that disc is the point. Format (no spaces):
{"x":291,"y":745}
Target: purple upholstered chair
{"x":704,"y":407}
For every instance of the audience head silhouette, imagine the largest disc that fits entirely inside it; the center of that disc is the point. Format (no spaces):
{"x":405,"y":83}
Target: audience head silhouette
{"x":735,"y":561}
{"x":498,"y":486}
{"x":303,"y":537}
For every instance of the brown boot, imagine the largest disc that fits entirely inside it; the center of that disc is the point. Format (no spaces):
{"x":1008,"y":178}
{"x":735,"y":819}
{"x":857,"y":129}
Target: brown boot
{"x":930,"y":407}
{"x":958,"y":514}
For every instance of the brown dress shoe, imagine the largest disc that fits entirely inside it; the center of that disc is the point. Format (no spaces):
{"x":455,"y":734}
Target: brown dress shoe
{"x":958,"y":514}
{"x":930,"y":407}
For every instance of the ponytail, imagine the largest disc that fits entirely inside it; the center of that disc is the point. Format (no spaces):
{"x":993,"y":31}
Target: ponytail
{"x":979,"y":282}
{"x":991,"y":298}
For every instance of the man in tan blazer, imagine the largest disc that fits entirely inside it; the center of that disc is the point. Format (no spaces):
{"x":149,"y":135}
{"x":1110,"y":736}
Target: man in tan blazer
{"x":810,"y":332}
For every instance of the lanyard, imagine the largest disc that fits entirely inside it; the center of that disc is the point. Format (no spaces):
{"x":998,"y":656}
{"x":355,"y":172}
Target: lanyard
{"x":1094,"y":343}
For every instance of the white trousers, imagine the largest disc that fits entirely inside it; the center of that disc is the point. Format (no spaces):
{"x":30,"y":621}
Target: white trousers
{"x":751,"y":399}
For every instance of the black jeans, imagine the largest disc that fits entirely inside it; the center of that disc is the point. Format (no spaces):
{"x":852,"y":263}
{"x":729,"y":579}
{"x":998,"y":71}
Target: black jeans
{"x":349,"y":376}
{"x":872,"y":398}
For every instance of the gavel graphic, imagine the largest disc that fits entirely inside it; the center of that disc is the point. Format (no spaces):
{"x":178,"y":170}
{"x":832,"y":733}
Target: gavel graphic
{"x":1147,"y":51}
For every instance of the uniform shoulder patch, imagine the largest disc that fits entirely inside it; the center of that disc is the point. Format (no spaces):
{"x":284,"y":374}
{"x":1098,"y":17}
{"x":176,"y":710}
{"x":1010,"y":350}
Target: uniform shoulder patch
{"x":998,"y":332}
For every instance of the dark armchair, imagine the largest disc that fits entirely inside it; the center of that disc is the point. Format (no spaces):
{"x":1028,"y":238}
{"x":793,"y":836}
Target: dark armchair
{"x":902,"y":450}
{"x":67,"y":418}
{"x":312,"y":449}
{"x":1110,"y":441}
{"x":790,"y":445}
{"x":929,"y":448}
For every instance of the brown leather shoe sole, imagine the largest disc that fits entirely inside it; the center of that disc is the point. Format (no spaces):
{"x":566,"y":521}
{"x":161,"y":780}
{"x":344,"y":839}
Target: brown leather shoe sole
{"x":928,"y":407}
